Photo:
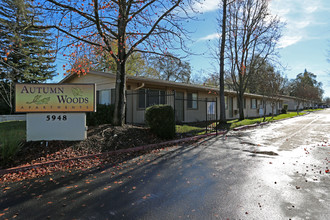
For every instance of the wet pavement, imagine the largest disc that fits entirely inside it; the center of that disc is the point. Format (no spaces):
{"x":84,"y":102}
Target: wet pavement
{"x":277,"y":171}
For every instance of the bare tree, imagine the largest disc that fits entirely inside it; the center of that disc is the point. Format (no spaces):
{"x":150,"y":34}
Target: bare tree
{"x":145,"y":26}
{"x":171,"y":69}
{"x":222,"y":21}
{"x":252,"y":33}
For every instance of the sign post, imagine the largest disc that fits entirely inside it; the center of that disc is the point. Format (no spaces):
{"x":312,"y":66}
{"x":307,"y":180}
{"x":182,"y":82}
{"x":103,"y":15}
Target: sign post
{"x":55,"y":111}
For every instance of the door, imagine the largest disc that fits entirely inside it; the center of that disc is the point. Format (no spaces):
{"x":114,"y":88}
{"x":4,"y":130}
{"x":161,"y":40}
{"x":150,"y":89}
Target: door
{"x":179,"y":106}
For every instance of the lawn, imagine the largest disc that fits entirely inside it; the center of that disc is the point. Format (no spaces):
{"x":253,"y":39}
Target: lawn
{"x":184,"y":129}
{"x":11,"y":135}
{"x":313,"y":110}
{"x":236,"y":123}
{"x":187,"y":129}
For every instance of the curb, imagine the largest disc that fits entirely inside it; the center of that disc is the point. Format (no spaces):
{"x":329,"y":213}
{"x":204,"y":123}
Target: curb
{"x":128,"y":150}
{"x":250,"y":126}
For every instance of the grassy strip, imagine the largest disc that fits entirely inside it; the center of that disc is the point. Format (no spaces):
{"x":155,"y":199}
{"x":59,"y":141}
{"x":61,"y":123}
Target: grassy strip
{"x":184,"y":129}
{"x":313,"y":110}
{"x":236,"y":123}
{"x":181,"y":129}
{"x":11,"y":135}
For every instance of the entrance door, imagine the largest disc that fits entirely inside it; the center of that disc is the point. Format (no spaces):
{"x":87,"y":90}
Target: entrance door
{"x":179,"y":106}
{"x":230,"y":107}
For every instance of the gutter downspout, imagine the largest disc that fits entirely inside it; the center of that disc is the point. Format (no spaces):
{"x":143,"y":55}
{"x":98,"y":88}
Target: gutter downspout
{"x":140,"y":87}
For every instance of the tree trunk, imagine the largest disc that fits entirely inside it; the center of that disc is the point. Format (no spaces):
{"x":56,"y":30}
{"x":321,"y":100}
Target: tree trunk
{"x":264,"y":107}
{"x":241,"y":106}
{"x":222,"y":65}
{"x":120,"y":98}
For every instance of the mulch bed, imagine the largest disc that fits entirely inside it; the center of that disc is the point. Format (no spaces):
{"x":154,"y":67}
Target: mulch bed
{"x":101,"y":138}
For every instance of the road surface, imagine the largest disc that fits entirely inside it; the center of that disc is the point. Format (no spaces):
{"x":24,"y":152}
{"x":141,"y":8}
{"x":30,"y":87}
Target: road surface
{"x":277,"y":171}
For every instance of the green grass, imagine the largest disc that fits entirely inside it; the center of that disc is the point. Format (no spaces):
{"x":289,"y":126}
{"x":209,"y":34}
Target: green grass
{"x":236,"y":123}
{"x":184,"y":129}
{"x":313,"y":110}
{"x":180,"y":129}
{"x":11,"y":136}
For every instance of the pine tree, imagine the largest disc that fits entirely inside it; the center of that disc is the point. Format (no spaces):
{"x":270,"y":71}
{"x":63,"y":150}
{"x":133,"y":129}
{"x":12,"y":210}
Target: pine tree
{"x":25,"y":51}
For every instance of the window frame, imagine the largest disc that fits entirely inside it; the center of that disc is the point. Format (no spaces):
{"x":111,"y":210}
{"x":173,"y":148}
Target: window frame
{"x":255,"y":103}
{"x":146,"y":98}
{"x":100,"y":94}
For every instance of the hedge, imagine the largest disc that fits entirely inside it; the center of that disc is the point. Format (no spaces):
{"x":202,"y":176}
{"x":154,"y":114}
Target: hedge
{"x":161,"y":120}
{"x":103,"y":115}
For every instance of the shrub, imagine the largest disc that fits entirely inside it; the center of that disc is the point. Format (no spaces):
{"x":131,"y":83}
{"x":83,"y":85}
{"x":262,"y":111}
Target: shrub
{"x":103,"y":115}
{"x":285,"y":109}
{"x":160,"y":119}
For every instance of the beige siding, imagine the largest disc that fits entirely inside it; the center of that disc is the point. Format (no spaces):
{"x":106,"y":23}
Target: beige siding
{"x":100,"y":81}
{"x":134,"y":114}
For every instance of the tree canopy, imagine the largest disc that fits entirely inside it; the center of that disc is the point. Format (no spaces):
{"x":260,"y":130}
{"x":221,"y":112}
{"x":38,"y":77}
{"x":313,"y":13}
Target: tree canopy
{"x":144,"y":26}
{"x":25,"y":51}
{"x":305,"y":86}
{"x":252,"y":34}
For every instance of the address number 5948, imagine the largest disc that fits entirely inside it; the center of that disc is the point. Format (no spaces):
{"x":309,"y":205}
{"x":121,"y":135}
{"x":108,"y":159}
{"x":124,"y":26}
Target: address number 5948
{"x":56,"y":118}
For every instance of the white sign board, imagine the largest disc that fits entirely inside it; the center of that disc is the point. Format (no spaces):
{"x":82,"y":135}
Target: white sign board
{"x":56,"y":126}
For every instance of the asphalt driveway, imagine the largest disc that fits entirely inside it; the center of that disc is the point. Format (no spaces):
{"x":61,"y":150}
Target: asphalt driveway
{"x":277,"y":171}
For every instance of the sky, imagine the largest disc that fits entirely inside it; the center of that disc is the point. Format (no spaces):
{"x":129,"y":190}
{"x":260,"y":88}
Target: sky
{"x":304,"y":44}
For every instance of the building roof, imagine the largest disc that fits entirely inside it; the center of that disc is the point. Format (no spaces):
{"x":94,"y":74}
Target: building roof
{"x":139,"y":79}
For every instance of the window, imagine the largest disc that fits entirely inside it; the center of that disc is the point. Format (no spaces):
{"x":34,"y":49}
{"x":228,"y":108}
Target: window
{"x":280,"y":104}
{"x":192,"y":101}
{"x":142,"y":98}
{"x":211,"y":108}
{"x":253,"y":103}
{"x":151,"y":97}
{"x":106,"y":96}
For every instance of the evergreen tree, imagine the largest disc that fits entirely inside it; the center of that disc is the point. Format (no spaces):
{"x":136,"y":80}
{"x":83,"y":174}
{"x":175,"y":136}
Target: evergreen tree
{"x":25,"y":51}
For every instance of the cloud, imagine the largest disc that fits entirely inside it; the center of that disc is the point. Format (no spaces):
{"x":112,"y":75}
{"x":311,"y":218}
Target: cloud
{"x":288,"y":41}
{"x":299,"y":16}
{"x":210,"y":37}
{"x":207,"y":5}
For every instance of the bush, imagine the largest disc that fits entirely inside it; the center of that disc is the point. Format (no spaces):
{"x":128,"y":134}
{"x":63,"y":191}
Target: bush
{"x":103,"y":115}
{"x":160,"y":119}
{"x":285,"y":109}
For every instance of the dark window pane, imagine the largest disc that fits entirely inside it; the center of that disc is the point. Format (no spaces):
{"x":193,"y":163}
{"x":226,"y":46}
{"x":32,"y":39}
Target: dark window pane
{"x":142,"y":98}
{"x":113,"y":95}
{"x":162,"y":99}
{"x":97,"y":97}
{"x":189,"y":101}
{"x":153,"y":97}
